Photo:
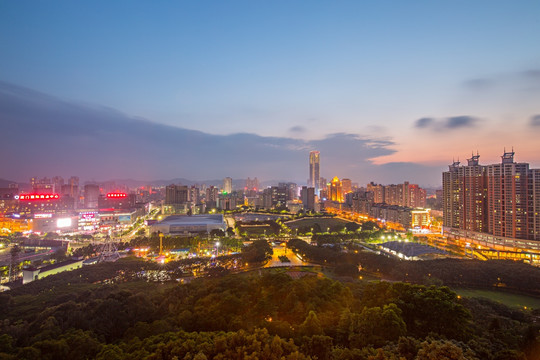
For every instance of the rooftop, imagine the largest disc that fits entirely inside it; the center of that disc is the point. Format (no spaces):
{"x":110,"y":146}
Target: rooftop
{"x":412,"y":249}
{"x":53,"y":266}
{"x":192,"y":219}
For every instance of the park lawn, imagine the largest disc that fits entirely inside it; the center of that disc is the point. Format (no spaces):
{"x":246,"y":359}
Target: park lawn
{"x":508,"y":299}
{"x":324,"y":223}
{"x":256,"y":229}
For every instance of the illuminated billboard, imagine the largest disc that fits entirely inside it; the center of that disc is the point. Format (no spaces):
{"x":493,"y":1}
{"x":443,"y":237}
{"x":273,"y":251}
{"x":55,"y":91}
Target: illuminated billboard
{"x":116,"y":195}
{"x":29,"y":197}
{"x":63,"y":222}
{"x":124,"y":218}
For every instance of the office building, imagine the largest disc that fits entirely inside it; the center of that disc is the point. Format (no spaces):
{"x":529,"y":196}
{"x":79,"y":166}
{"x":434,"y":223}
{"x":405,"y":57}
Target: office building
{"x":227,"y":185}
{"x":335,"y":190}
{"x":176,"y":194}
{"x":314,"y":171}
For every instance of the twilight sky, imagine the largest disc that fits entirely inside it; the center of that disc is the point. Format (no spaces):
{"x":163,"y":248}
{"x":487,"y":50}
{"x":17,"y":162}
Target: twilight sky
{"x":386,"y":90}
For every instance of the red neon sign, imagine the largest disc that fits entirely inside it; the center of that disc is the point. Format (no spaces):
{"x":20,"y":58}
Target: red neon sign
{"x":27,"y":197}
{"x":116,"y":195}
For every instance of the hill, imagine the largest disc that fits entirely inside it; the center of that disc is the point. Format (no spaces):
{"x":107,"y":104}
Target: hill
{"x":264,"y":315}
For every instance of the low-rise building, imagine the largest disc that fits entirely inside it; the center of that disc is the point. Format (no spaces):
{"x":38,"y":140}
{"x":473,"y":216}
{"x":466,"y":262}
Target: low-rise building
{"x":31,"y":273}
{"x":188,"y":225}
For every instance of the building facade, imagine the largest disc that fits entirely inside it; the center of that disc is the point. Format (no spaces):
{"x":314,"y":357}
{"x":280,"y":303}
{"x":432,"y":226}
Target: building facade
{"x":314,"y":171}
{"x":498,"y":199}
{"x":227,"y":185}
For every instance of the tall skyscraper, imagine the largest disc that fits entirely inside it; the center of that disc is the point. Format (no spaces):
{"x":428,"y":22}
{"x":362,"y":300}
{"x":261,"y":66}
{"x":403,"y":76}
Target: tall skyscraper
{"x":314,"y":171}
{"x":227,"y":185}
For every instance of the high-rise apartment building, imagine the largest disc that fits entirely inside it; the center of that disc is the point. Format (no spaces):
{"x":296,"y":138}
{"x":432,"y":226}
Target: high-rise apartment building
{"x":533,"y":221}
{"x":314,"y":171}
{"x":464,"y":196}
{"x":307,"y":195}
{"x":194,"y":195}
{"x":211,"y":197}
{"x":417,"y":196}
{"x":252,"y":184}
{"x":71,"y":188}
{"x":405,"y":195}
{"x":499,"y":199}
{"x":57,"y":182}
{"x":378,"y":192}
{"x":91,"y":196}
{"x":42,"y":186}
{"x":507,"y":197}
{"x":346,"y":184}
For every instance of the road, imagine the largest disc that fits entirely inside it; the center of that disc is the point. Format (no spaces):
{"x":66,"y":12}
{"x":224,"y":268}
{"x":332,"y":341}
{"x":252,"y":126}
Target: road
{"x":281,"y":250}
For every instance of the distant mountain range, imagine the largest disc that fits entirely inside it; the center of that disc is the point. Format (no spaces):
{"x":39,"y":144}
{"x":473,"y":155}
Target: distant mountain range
{"x":5,"y":183}
{"x":131,"y":183}
{"x":237,"y":183}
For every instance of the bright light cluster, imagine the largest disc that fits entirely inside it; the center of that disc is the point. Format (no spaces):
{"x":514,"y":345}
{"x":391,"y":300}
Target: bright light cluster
{"x":39,"y":196}
{"x":116,"y":195}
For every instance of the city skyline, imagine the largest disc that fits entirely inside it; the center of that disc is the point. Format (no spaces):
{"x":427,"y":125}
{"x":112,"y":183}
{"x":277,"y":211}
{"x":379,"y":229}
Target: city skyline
{"x":386,"y":91}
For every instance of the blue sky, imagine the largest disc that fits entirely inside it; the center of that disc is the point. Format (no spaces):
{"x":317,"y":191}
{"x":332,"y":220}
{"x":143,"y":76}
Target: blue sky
{"x":299,"y":70}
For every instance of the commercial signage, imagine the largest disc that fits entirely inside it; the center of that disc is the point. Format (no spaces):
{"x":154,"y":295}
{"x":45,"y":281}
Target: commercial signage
{"x":88,"y":215}
{"x":116,"y":195}
{"x":27,"y":197}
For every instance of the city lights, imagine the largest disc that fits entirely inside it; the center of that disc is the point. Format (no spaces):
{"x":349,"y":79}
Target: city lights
{"x":116,"y":195}
{"x":30,"y":197}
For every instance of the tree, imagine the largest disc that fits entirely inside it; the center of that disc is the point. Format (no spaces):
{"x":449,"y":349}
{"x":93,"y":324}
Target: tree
{"x":374,"y":326}
{"x":440,"y":350}
{"x":369,"y":226}
{"x":15,"y":250}
{"x":311,"y":326}
{"x":347,"y":270}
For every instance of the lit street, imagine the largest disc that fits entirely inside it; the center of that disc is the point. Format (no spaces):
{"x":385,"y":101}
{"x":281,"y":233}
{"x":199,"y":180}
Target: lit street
{"x":283,"y":251}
